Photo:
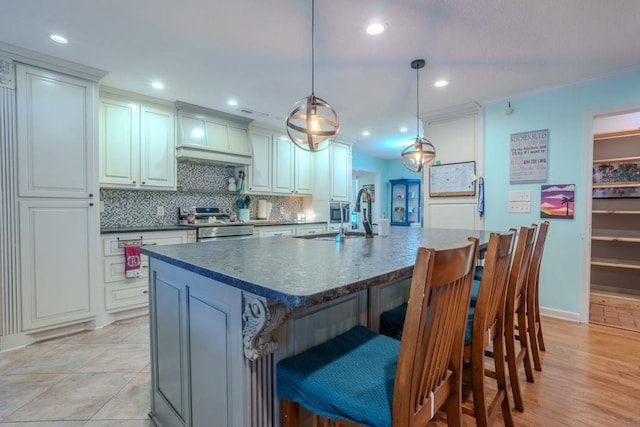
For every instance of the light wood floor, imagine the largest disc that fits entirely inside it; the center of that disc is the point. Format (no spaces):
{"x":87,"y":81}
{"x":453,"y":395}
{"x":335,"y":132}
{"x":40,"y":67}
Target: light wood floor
{"x":590,"y":378}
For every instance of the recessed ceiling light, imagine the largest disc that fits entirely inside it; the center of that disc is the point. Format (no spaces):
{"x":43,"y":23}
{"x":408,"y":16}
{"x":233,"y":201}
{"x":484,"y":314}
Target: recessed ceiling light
{"x":58,"y":38}
{"x":365,"y":133}
{"x":441,"y":83}
{"x":232,"y":102}
{"x":157,"y":85}
{"x":375,"y":29}
{"x":403,"y":129}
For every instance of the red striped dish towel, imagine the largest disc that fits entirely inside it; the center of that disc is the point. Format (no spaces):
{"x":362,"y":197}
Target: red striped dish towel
{"x":132,"y":261}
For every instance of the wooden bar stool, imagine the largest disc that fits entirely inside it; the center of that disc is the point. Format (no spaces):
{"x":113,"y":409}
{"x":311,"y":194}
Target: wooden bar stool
{"x":366,"y":378}
{"x":534,"y":326}
{"x":515,"y":309}
{"x":487,"y":328}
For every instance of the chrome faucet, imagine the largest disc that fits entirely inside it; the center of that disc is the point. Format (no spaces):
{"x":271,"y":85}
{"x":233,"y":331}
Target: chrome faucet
{"x":342,"y":232}
{"x":366,"y":216}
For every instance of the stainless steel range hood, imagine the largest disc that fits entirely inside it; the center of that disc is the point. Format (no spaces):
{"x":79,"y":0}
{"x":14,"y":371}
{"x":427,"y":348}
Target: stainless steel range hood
{"x":210,"y":136}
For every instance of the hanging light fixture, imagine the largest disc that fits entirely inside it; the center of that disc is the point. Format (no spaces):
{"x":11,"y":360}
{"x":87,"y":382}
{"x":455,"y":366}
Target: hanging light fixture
{"x":419,"y":151}
{"x":312,"y":123}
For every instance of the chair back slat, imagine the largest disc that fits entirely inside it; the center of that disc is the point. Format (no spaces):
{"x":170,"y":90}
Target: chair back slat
{"x":430,"y":359}
{"x":493,"y":286}
{"x":520,"y":266}
{"x":536,"y":259}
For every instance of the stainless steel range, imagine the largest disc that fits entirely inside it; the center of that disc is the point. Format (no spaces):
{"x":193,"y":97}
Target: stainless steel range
{"x":213,"y":224}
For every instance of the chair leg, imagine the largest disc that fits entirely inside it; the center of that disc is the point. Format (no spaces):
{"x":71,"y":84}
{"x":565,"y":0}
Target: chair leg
{"x":290,"y":414}
{"x":533,"y":337}
{"x":523,"y":337}
{"x":538,"y":323}
{"x":512,"y":362}
{"x":501,"y":379}
{"x":477,"y":386}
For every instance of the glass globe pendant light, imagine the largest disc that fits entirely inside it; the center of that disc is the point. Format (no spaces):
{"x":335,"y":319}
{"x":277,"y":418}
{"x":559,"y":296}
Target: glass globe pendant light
{"x":419,"y":151}
{"x":312,"y":123}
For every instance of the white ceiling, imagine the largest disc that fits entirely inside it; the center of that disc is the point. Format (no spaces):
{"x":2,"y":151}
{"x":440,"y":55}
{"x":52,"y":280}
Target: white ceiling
{"x":259,"y":52}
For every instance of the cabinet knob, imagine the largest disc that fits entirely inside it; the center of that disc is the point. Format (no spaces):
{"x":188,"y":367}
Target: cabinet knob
{"x":143,"y":183}
{"x":90,"y":194}
{"x":133,"y":182}
{"x":90,"y":204}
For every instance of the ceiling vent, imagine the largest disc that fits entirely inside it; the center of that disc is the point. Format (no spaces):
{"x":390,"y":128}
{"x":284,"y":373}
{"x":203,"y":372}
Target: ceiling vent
{"x":252,"y":112}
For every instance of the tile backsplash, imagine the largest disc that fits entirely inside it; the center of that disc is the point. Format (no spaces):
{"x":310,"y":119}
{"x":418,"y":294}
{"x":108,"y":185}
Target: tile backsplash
{"x":198,"y":185}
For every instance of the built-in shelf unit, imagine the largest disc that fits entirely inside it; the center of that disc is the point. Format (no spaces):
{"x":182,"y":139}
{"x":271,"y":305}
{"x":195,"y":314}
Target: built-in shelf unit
{"x":615,"y":233}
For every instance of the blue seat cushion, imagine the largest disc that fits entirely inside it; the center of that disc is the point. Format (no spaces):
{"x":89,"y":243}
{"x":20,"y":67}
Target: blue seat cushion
{"x":475,"y":290}
{"x":350,"y":377}
{"x":392,"y":322}
{"x":477,"y":275}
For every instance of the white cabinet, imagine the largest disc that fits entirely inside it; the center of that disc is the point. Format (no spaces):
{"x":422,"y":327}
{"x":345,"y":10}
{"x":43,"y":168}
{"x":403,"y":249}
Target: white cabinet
{"x":120,"y":292}
{"x":309,"y":229}
{"x":292,"y":168}
{"x":340,"y":169}
{"x":276,"y":230}
{"x":279,"y":167}
{"x":259,"y":173}
{"x":58,"y":223}
{"x":137,"y":145}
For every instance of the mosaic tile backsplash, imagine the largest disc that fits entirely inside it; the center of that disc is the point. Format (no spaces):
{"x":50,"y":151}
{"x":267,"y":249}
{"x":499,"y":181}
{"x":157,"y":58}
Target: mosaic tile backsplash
{"x":198,"y":185}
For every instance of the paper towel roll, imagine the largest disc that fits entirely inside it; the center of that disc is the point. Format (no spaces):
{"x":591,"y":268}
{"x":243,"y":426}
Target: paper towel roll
{"x":262,"y":209}
{"x":383,"y":227}
{"x":269,"y":207}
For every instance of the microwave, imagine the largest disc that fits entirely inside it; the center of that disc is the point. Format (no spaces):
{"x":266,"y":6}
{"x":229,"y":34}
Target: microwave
{"x":334,"y":212}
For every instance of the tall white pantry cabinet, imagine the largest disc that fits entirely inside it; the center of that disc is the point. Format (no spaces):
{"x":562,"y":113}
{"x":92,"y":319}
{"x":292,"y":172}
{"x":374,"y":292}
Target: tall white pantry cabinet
{"x":57,"y":197}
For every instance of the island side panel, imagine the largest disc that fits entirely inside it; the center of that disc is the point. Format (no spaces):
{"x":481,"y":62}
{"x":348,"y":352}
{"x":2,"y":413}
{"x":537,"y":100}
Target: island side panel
{"x":198,"y":321}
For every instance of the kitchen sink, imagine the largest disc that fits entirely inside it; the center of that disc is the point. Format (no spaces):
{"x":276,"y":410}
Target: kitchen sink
{"x":329,"y":236}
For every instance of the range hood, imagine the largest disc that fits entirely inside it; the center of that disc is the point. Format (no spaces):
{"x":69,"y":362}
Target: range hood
{"x":211,"y":136}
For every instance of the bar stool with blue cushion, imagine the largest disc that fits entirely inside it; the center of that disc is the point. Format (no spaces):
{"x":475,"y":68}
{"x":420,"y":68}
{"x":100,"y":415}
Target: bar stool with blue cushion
{"x":485,"y":329}
{"x":373,"y":380}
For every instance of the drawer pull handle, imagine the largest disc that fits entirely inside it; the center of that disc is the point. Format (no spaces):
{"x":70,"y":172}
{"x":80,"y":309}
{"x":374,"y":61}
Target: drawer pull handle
{"x":145,"y":292}
{"x":149,"y":244}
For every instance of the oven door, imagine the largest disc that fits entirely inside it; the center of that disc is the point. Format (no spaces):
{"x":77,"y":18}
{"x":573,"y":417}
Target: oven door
{"x":225,"y":232}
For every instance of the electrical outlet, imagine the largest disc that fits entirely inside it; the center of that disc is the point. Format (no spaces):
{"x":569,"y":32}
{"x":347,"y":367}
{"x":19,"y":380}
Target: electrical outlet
{"x":519,"y":207}
{"x":160,"y":211}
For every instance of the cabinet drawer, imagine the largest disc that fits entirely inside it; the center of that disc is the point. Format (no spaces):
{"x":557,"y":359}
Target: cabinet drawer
{"x":113,"y":246}
{"x":114,"y":270}
{"x":126,"y":296}
{"x":306,"y":230}
{"x":273,"y":231}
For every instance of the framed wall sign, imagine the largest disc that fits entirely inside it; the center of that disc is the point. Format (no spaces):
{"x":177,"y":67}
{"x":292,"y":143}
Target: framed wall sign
{"x":528,"y":157}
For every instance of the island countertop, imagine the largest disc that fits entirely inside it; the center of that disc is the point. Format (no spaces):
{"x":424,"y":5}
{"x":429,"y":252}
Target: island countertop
{"x":300,"y":272}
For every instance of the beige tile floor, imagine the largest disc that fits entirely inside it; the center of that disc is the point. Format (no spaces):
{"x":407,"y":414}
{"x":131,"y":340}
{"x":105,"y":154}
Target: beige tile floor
{"x":96,"y":378}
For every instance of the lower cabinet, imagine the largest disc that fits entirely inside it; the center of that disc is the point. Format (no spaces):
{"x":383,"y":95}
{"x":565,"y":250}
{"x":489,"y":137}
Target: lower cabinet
{"x":196,"y":350}
{"x":276,"y":230}
{"x":120,"y":292}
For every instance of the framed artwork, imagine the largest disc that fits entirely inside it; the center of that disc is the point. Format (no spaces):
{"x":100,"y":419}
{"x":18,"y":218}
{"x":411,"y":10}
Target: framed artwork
{"x":528,"y":156}
{"x":557,"y":201}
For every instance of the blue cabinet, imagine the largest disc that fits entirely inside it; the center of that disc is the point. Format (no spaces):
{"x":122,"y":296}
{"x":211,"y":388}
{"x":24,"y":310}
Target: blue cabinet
{"x":405,"y":201}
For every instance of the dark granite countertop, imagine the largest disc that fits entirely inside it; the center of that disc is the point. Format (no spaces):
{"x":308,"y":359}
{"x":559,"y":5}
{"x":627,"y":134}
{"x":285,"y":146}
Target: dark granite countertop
{"x":304,"y":272}
{"x":150,"y":228}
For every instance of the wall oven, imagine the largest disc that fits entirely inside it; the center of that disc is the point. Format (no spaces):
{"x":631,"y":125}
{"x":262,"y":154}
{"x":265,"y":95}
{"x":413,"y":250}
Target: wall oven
{"x":334,"y":212}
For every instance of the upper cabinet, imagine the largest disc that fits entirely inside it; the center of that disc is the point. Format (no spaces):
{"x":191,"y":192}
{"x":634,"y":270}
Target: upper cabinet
{"x":340,"y":166}
{"x":212,"y":136}
{"x":137,"y":145}
{"x":279,"y":167}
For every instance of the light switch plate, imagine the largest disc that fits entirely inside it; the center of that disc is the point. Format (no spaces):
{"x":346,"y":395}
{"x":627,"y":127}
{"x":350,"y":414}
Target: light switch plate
{"x":520,"y":196}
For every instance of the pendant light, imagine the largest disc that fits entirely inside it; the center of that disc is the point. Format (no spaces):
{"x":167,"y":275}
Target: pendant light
{"x":312,"y":123}
{"x":419,"y":151}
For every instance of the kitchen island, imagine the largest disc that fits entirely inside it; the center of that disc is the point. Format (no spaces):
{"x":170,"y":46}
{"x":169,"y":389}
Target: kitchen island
{"x":223,"y":313}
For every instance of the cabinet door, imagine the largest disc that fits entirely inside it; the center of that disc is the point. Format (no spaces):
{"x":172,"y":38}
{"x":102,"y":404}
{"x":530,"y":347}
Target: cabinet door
{"x":340,"y":163}
{"x":282,"y":166}
{"x":119,"y":141}
{"x":260,"y":171}
{"x":157,"y":148}
{"x":55,"y":134}
{"x":303,"y":171}
{"x":57,"y":261}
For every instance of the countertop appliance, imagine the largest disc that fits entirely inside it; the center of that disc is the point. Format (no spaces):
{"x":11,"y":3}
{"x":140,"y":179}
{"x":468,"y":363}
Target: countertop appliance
{"x":213,"y":224}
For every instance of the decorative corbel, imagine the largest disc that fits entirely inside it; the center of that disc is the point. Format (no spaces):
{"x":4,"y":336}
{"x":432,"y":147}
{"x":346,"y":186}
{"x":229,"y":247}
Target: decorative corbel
{"x":7,"y":75}
{"x":259,"y":320}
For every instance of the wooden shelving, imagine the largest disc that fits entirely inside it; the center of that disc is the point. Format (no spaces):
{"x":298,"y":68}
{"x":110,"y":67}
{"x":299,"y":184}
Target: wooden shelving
{"x":615,"y":234}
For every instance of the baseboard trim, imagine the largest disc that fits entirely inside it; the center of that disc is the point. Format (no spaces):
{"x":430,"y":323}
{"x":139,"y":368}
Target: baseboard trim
{"x":561,"y":314}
